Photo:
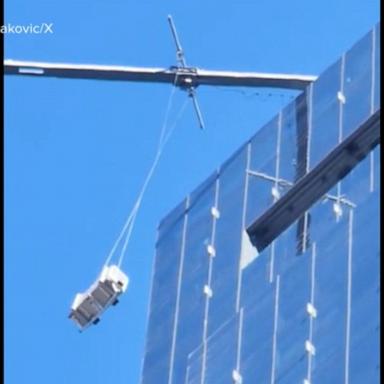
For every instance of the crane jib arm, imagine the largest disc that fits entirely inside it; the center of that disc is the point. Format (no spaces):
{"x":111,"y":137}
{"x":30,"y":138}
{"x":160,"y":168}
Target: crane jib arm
{"x":182,"y":76}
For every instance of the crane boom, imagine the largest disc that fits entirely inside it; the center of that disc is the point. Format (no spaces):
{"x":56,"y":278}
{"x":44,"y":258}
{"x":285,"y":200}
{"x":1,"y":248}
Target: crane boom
{"x":185,"y":76}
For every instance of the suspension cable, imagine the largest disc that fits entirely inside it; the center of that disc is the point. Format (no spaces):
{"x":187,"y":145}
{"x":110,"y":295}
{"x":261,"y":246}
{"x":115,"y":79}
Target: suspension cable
{"x":163,"y":139}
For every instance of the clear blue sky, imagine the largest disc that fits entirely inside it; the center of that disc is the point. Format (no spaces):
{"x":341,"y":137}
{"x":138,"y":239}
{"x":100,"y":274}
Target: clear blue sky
{"x":76,"y":153}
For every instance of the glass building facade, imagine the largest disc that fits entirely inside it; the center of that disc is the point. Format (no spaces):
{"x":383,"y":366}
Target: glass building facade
{"x":235,"y":302}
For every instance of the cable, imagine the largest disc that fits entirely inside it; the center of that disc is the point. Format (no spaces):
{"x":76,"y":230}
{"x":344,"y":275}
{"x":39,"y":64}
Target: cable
{"x":163,"y":139}
{"x":146,"y":182}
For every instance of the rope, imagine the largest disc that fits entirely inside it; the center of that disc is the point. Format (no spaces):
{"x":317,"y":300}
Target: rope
{"x":148,"y":178}
{"x":163,"y":139}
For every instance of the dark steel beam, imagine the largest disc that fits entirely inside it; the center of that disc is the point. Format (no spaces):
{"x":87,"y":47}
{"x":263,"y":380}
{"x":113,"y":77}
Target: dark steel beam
{"x":311,"y":187}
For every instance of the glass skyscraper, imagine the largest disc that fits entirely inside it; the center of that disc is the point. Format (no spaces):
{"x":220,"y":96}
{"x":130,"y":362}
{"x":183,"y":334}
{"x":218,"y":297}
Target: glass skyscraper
{"x":269,"y":271}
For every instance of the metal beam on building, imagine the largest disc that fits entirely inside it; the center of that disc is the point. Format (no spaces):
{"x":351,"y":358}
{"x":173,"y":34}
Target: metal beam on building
{"x":184,"y":77}
{"x":314,"y":185}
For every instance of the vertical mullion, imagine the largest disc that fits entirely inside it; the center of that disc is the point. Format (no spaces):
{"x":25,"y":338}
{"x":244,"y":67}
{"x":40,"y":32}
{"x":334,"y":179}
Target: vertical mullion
{"x":210,"y":269}
{"x":245,"y":201}
{"x":275,"y":321}
{"x":308,"y":154}
{"x":349,"y":296}
{"x":373,"y":79}
{"x":312,"y":301}
{"x":341,"y":116}
{"x":179,"y":282}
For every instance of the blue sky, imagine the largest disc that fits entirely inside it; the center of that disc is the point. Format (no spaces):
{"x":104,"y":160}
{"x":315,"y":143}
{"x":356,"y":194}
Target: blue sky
{"x":77,"y":151}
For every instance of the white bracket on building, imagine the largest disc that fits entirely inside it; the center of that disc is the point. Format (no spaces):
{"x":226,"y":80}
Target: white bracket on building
{"x":215,"y":212}
{"x":311,"y":310}
{"x":275,"y":192}
{"x":237,"y":378}
{"x":208,"y":291}
{"x":341,"y":97}
{"x":211,"y":250}
{"x":338,"y":210}
{"x":310,"y":348}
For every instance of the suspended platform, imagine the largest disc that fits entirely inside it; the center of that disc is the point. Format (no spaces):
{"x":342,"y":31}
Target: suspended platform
{"x":87,"y":307}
